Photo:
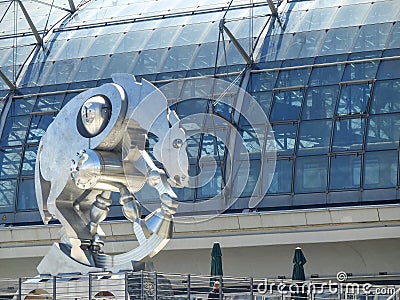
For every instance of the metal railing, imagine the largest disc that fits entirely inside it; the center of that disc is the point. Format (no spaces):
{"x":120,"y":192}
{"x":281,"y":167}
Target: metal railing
{"x":159,"y":286}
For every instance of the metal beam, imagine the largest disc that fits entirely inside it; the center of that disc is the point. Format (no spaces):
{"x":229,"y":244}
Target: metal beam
{"x":72,"y":5}
{"x":239,"y":47}
{"x":7,"y":81}
{"x":31,"y":25}
{"x":272,"y":7}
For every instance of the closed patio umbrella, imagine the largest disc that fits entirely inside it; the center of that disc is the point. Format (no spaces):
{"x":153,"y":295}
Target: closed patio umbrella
{"x":216,"y":263}
{"x":298,"y":271}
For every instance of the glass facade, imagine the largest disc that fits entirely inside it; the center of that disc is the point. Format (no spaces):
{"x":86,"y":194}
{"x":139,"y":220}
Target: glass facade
{"x":327,"y":76}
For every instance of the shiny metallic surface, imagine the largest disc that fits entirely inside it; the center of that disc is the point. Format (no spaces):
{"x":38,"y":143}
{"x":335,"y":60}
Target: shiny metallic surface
{"x":95,"y":114}
{"x":98,"y":143}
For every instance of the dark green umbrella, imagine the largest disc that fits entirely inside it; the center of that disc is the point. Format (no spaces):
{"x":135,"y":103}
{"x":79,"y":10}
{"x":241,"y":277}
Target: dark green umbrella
{"x":298,"y":269}
{"x":216,"y":263}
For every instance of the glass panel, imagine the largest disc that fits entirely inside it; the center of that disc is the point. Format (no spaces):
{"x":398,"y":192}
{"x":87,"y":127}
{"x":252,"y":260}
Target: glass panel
{"x":295,"y":77}
{"x":354,"y":98}
{"x":28,"y":163}
{"x":286,"y":105}
{"x":389,"y":69}
{"x":49,"y":103}
{"x":7,"y":194}
{"x":383,"y":132}
{"x":326,"y":75}
{"x":149,"y":61}
{"x":346,"y":15}
{"x":192,"y":34}
{"x":14,"y":131}
{"x":282,"y":178}
{"x":320,"y":102}
{"x":317,"y":19}
{"x":264,"y":99}
{"x":103,"y":44}
{"x":213,"y":187}
{"x":63,"y":71}
{"x":264,"y":81}
{"x":10,"y":159}
{"x":179,"y":58}
{"x":311,"y":174}
{"x":338,"y":40}
{"x":74,"y":48}
{"x":162,"y":37}
{"x":250,"y":139}
{"x":394,"y":38}
{"x":249,"y":176}
{"x":345,"y":172}
{"x":348,"y":134}
{"x":205,"y":56}
{"x":386,"y":97}
{"x":133,"y":41}
{"x":26,"y":195}
{"x":274,"y":47}
{"x":90,"y":68}
{"x":285,"y":137}
{"x":380,"y":169}
{"x":384,"y":11}
{"x":213,"y":146}
{"x":120,"y":63}
{"x":314,"y":137}
{"x":372,"y":37}
{"x":359,"y":71}
{"x":304,"y":44}
{"x":22,"y":106}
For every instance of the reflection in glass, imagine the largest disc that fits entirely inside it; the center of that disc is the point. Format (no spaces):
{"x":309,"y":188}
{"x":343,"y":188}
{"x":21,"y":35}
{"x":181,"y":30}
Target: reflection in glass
{"x":380,"y":169}
{"x":389,"y":69}
{"x":394,"y":38}
{"x":304,"y":44}
{"x":28,"y":163}
{"x":314,"y":137}
{"x":338,"y":40}
{"x":14,"y":130}
{"x":10,"y":160}
{"x":264,"y":81}
{"x":286,"y":105}
{"x":372,"y":37}
{"x":345,"y":172}
{"x":326,"y":75}
{"x":26,"y":195}
{"x":285,"y":137}
{"x":295,"y":77}
{"x":214,"y":186}
{"x":354,"y":98}
{"x":348,"y":134}
{"x":22,"y":106}
{"x":320,"y":102}
{"x":383,"y":132}
{"x":264,"y":99}
{"x":386,"y":97}
{"x":282,"y":177}
{"x":311,"y":174}
{"x":7,"y":195}
{"x":346,"y":17}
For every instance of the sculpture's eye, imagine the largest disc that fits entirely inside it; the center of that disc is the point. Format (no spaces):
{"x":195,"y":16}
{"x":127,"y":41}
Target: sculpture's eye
{"x":177,"y":143}
{"x":94,"y":116}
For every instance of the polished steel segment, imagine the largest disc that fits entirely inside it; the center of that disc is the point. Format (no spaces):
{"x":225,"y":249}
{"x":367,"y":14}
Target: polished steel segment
{"x":97,"y":142}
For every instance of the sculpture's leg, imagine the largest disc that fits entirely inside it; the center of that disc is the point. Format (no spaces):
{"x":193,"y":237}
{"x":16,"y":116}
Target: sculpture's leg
{"x":98,"y":213}
{"x":130,"y":206}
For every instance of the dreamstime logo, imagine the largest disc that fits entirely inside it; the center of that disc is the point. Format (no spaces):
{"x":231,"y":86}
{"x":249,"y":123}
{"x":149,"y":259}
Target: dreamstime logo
{"x":224,"y":120}
{"x":323,"y":287}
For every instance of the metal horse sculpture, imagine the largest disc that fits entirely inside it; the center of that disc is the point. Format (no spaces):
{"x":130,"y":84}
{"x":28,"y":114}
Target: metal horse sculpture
{"x":96,"y":146}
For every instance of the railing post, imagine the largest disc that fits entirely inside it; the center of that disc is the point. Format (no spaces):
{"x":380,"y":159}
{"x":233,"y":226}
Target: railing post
{"x":141,"y":285}
{"x":19,"y":288}
{"x":251,"y":288}
{"x":90,"y":286}
{"x":188,"y":287}
{"x":220,"y":287}
{"x":54,"y":287}
{"x":126,"y":286}
{"x":155,"y":286}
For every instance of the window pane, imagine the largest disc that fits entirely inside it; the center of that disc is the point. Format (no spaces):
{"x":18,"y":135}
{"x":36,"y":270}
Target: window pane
{"x":314,"y":137}
{"x":326,"y":75}
{"x":320,"y":102}
{"x":192,"y":34}
{"x":120,"y":63}
{"x":286,"y":105}
{"x":383,"y":132}
{"x":389,"y":69}
{"x":282,"y":178}
{"x":49,"y":102}
{"x":304,"y":44}
{"x":205,"y":56}
{"x":394,"y":38}
{"x":10,"y":160}
{"x":285,"y":137}
{"x":348,"y":134}
{"x":7,"y":195}
{"x":213,"y":187}
{"x":354,"y":98}
{"x":28,"y":163}
{"x":149,"y":61}
{"x":384,"y":11}
{"x":133,"y":41}
{"x":359,"y":71}
{"x":288,"y":78}
{"x":386,"y":97}
{"x":26,"y":195}
{"x":346,"y":16}
{"x":380,"y":169}
{"x":338,"y":40}
{"x":179,"y":58}
{"x":264,"y":99}
{"x":345,"y":172}
{"x":22,"y":106}
{"x":311,"y":174}
{"x":90,"y":68}
{"x":274,"y":47}
{"x":372,"y":37}
{"x":14,"y":131}
{"x":250,"y":140}
{"x":264,"y":81}
{"x":316,"y":19}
